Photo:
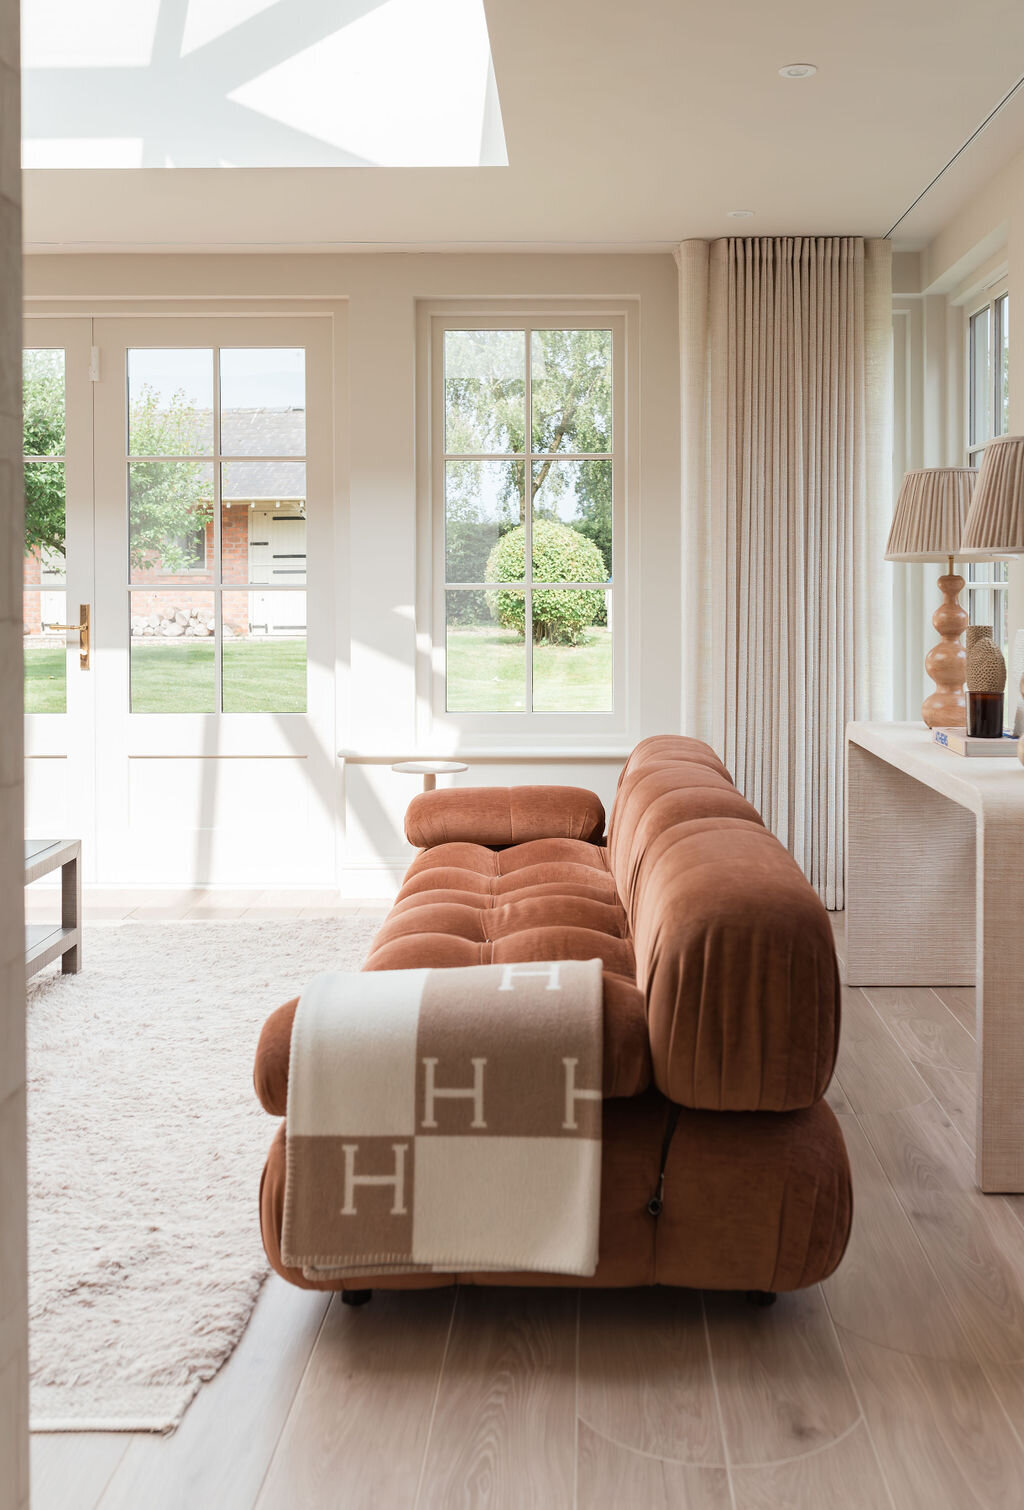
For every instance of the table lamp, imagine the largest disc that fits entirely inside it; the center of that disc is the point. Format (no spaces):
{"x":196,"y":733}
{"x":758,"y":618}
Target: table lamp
{"x":928,"y":525}
{"x":995,"y":520}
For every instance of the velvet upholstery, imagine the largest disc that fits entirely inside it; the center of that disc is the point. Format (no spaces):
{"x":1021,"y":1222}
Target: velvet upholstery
{"x":626,"y":1056}
{"x":752,"y":1201}
{"x":734,"y":951}
{"x":721,"y":1010}
{"x":502,"y":815}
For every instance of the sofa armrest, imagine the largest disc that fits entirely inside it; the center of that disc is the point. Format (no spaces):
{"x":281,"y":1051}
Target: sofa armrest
{"x":736,"y":958}
{"x":501,"y":815}
{"x":627,"y":1054}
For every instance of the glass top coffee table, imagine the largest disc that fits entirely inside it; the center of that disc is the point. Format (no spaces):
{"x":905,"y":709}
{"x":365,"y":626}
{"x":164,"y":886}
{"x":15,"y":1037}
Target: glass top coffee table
{"x":46,"y":941}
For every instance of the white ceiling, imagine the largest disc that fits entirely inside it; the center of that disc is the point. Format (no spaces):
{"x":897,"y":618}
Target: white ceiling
{"x":627,"y":125}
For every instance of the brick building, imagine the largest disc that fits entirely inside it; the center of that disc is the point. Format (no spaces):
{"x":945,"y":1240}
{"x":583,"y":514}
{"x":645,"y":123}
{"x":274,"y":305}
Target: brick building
{"x":263,"y":543}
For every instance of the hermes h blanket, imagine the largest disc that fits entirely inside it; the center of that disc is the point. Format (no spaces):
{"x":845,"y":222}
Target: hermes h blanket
{"x":445,"y":1120}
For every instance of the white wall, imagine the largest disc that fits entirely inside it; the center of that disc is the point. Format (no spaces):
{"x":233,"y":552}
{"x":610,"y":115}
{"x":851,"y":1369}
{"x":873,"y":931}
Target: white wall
{"x":379,"y":570}
{"x":13,"y":1282}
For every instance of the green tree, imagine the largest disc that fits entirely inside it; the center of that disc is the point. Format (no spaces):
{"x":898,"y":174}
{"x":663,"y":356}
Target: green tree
{"x":560,"y":554}
{"x":171,"y":501}
{"x":43,"y":410}
{"x":571,"y":387}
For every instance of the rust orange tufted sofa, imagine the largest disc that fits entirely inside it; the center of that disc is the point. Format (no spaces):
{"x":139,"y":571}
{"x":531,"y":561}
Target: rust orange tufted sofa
{"x":723,"y":1167}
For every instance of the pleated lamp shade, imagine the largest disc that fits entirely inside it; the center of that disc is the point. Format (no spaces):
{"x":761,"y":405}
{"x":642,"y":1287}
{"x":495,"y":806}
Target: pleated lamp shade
{"x":931,"y":511}
{"x":995,"y":522}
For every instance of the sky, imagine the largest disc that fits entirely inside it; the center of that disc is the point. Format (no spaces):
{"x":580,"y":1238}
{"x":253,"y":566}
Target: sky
{"x":251,"y":378}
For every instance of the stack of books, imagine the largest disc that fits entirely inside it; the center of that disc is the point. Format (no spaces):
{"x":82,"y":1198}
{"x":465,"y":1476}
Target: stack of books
{"x":961,"y":743}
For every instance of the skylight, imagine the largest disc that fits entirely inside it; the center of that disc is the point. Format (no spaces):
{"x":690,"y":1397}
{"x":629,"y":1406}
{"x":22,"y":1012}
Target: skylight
{"x":258,"y":83}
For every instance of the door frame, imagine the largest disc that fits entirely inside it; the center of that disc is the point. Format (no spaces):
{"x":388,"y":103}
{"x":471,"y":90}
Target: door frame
{"x":333,"y":564}
{"x":70,"y":736}
{"x":202,"y":853}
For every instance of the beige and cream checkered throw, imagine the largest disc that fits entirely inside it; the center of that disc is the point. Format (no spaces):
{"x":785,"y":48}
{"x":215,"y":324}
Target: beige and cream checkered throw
{"x":445,"y":1120}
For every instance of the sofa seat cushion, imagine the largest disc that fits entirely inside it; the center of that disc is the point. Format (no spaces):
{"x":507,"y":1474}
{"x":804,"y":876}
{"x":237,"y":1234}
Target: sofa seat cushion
{"x":465,"y":904}
{"x":753,"y":1200}
{"x":545,"y":899}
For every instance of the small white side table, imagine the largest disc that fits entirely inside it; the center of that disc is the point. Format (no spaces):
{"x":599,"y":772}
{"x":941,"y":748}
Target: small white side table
{"x":935,"y":897}
{"x":430,"y":770}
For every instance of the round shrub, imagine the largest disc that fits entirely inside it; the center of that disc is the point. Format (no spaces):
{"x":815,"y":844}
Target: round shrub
{"x":560,"y":554}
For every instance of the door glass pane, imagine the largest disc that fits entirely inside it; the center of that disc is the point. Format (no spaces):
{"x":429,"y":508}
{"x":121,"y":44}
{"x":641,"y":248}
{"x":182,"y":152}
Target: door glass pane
{"x":43,"y":401}
{"x":263,"y":401}
{"x":980,"y":398}
{"x":45,"y":653}
{"x":45,"y":511}
{"x":577,"y":496}
{"x":170,"y":402}
{"x":486,"y":652}
{"x":263,"y":522}
{"x":572,"y":651}
{"x":170,"y":513}
{"x":484,"y":391}
{"x":172,"y":652}
{"x":571,"y":381}
{"x":483,"y":501}
{"x":44,"y":568}
{"x":264,"y":653}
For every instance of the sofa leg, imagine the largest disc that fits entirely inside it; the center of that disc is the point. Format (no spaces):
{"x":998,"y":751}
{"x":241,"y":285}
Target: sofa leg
{"x":356,"y":1297}
{"x":762,"y":1297}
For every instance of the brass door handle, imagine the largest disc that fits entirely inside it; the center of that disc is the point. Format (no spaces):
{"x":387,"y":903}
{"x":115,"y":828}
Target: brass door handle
{"x":82,"y":630}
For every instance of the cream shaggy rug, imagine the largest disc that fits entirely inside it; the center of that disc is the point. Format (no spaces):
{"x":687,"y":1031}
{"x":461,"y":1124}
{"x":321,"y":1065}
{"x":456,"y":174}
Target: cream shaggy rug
{"x":146,"y":1143}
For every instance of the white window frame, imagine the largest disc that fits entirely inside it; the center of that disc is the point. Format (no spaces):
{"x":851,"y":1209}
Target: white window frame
{"x":526,"y":728}
{"x":987,"y":581}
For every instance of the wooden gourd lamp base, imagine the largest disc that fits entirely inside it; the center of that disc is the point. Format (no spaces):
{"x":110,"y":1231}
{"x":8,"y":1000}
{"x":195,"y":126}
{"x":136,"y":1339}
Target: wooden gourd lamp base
{"x":928,"y":525}
{"x":946,"y":662}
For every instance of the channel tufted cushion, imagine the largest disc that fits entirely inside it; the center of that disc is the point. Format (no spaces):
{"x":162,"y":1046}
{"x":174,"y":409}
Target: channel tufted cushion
{"x":467,"y":904}
{"x":502,"y":815}
{"x":734,"y":952}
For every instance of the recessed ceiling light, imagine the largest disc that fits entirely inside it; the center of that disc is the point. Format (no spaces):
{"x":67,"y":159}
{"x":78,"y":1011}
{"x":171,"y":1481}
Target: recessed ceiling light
{"x":797,"y":71}
{"x":739,"y":214}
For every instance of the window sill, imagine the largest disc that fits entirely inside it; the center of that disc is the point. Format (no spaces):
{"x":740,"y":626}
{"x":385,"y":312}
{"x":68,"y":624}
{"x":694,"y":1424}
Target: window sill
{"x":490,"y":756}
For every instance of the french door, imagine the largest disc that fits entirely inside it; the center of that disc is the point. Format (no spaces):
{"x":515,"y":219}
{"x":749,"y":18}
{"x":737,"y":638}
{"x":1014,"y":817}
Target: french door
{"x":199,"y":742}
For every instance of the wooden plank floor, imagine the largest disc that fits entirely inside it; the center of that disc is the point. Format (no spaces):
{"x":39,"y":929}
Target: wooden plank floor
{"x":897,"y":1385}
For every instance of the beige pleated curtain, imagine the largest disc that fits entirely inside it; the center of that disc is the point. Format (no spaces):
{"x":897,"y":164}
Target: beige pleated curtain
{"x":786,"y":374}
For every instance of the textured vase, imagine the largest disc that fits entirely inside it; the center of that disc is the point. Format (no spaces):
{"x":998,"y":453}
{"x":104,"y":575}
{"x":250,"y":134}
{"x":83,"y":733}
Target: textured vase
{"x":986,"y":669}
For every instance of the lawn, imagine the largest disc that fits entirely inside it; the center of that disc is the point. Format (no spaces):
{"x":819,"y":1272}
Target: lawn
{"x":260,"y":676}
{"x":487,"y":672}
{"x":265,"y":676}
{"x":44,"y":680}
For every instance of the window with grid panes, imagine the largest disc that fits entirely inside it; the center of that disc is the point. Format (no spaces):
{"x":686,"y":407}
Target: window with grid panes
{"x":528,"y":478}
{"x":216,"y":486}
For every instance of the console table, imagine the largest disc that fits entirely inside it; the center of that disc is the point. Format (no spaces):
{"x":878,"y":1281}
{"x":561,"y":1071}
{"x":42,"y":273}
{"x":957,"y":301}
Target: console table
{"x":935,"y":897}
{"x":45,"y":941}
